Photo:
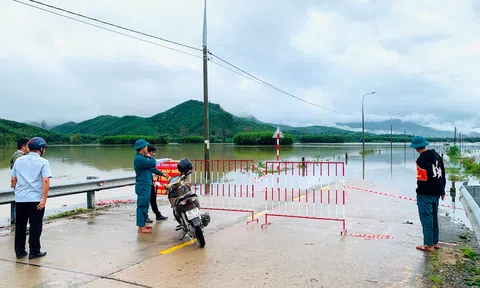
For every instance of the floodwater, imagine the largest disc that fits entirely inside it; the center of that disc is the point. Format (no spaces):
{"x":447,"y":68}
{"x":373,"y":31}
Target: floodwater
{"x":75,"y":163}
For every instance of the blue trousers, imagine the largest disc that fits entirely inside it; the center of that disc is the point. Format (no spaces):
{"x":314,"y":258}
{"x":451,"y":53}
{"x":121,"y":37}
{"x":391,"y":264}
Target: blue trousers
{"x":428,"y":212}
{"x":143,"y":201}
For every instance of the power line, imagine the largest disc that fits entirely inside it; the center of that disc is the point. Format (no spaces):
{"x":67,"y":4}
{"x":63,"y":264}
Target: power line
{"x":110,"y":30}
{"x":114,"y":25}
{"x":245,"y":74}
{"x":236,"y":72}
{"x":272,"y":86}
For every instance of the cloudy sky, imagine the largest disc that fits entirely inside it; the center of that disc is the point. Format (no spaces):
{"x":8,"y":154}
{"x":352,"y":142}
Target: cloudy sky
{"x":421,"y":57}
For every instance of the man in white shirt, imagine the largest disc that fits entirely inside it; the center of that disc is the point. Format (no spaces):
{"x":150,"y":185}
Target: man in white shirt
{"x":31,"y":181}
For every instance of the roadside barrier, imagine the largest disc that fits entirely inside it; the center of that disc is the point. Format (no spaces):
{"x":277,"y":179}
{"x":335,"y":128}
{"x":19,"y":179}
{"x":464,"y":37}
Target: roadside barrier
{"x":397,"y":196}
{"x":371,"y":236}
{"x":305,"y":190}
{"x":231,"y":186}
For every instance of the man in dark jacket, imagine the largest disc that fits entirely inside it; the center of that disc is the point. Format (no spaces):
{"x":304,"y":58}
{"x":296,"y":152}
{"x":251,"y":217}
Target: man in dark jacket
{"x":430,"y":187}
{"x":153,"y":193}
{"x":22,"y":149}
{"x":144,"y":166}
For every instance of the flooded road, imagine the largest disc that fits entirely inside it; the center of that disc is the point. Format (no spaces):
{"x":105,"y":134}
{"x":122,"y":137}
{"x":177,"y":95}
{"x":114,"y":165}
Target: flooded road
{"x":104,"y":250}
{"x":75,"y":163}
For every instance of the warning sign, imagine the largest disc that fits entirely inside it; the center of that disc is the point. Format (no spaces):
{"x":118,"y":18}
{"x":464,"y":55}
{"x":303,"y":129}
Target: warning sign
{"x":167,"y":167}
{"x":278,"y":133}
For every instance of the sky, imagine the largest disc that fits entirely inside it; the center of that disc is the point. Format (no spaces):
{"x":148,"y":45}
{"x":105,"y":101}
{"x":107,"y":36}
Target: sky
{"x":421,"y":57}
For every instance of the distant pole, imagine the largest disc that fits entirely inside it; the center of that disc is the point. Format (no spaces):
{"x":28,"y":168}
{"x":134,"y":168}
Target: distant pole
{"x":391,"y":151}
{"x":455,"y":137}
{"x":391,"y":145}
{"x":277,"y":135}
{"x":363,"y":136}
{"x":460,"y":141}
{"x":278,"y":147}
{"x":405,"y":145}
{"x":205,"y":100}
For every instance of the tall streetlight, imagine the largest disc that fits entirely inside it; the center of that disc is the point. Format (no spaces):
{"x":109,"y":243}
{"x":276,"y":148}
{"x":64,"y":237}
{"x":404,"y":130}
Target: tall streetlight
{"x":391,"y":144}
{"x":363,"y":136}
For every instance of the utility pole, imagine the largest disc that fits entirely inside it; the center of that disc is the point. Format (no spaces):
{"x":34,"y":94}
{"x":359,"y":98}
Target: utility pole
{"x":363,"y":136}
{"x":460,"y":141}
{"x":455,"y":136}
{"x":206,"y":119}
{"x":391,"y":151}
{"x":405,"y":145}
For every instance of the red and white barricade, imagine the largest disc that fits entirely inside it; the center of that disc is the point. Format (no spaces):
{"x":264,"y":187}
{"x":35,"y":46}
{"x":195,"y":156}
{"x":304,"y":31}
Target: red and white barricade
{"x":231,"y":186}
{"x":306,"y":190}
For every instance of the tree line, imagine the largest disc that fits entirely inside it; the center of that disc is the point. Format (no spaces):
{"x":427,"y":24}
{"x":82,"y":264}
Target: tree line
{"x":242,"y":138}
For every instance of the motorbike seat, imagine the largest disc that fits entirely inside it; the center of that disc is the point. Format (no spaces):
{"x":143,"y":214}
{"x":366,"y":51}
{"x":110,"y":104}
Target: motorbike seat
{"x":183,"y":197}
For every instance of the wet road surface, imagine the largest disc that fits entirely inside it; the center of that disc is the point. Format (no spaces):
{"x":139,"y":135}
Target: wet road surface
{"x":105,"y":251}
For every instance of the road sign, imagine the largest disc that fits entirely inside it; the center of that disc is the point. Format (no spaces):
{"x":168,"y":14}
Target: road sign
{"x":278,"y":132}
{"x":168,"y":167}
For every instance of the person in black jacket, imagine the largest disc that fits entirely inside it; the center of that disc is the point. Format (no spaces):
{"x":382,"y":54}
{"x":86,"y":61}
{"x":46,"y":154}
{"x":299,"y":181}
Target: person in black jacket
{"x":153,"y":193}
{"x":430,"y":188}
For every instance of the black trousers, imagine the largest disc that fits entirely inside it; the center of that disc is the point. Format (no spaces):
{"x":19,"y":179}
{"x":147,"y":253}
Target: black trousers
{"x":153,"y":201}
{"x":27,"y":212}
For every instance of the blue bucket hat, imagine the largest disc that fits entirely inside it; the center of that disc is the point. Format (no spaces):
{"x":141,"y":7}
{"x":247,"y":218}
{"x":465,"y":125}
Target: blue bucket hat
{"x":140,"y":143}
{"x":419,"y":142}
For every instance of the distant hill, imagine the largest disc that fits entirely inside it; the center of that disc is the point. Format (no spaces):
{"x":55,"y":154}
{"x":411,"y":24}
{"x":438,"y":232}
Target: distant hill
{"x":399,"y":126}
{"x":181,"y":120}
{"x":11,"y":131}
{"x":186,"y":119}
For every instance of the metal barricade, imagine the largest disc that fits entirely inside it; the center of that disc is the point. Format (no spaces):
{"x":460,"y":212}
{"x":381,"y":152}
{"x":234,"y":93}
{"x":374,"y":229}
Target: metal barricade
{"x":230,"y":187}
{"x":306,"y":190}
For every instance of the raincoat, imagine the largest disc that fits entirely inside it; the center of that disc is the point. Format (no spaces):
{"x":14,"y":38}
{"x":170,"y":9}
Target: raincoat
{"x":144,"y":167}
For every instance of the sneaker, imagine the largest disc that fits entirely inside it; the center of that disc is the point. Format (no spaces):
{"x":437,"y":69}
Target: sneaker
{"x":149,"y":220}
{"x":161,"y":217}
{"x":38,"y":255}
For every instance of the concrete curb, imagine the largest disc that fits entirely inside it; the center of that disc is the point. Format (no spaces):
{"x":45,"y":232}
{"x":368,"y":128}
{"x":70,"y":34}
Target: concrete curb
{"x":472,"y":210}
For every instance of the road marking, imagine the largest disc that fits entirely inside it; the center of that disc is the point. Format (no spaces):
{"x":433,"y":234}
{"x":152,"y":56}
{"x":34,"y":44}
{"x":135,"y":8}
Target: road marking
{"x":260,"y":213}
{"x":296,"y":199}
{"x":179,"y":246}
{"x":303,"y":196}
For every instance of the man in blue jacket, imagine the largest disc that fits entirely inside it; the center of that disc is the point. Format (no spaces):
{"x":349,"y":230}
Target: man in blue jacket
{"x":430,"y":188}
{"x":144,"y":166}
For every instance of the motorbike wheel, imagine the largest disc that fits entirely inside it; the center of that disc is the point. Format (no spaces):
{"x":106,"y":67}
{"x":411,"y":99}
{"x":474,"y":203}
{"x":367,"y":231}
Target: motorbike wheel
{"x":199,"y":236}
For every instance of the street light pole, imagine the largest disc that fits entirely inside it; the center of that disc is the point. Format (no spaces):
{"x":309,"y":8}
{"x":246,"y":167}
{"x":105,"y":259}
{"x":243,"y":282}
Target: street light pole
{"x":391,"y":145}
{"x":363,"y":136}
{"x":206,"y":119}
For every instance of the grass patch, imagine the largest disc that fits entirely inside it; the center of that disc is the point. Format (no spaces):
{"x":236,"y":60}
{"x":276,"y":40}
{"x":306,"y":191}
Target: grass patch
{"x":457,"y":178}
{"x":68,"y":213}
{"x":452,"y":170}
{"x":436,"y":280}
{"x":469,"y":253}
{"x":367,"y":152}
{"x":471,"y":166}
{"x":472,"y":282}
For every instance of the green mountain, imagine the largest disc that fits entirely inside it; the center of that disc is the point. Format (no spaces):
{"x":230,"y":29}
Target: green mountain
{"x":11,"y":131}
{"x":182,"y":120}
{"x":400,"y":126}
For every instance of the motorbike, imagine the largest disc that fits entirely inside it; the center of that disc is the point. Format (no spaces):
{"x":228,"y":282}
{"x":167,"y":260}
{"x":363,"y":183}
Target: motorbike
{"x":185,"y":204}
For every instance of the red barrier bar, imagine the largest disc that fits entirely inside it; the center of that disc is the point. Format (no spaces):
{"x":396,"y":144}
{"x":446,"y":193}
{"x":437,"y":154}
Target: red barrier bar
{"x":303,"y":178}
{"x":233,"y":178}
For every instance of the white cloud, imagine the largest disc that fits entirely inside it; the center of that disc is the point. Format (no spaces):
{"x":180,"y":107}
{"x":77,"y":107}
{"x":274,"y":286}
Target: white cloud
{"x":422,"y":58}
